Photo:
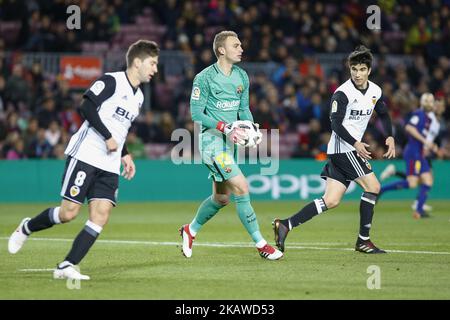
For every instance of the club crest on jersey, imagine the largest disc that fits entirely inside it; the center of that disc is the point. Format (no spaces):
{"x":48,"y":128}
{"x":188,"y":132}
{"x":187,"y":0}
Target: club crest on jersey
{"x":334,"y":106}
{"x":74,"y":191}
{"x":224,"y":159}
{"x":98,"y":87}
{"x":195,"y":93}
{"x":239,"y":89}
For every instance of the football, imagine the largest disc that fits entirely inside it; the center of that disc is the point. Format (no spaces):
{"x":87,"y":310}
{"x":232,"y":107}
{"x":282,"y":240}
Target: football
{"x":254,"y":135}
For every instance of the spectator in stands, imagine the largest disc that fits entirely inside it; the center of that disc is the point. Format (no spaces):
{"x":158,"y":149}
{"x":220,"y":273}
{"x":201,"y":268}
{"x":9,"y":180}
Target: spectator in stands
{"x":135,"y":146}
{"x":47,"y":113}
{"x":16,"y":88}
{"x":148,"y":130}
{"x":39,"y":147}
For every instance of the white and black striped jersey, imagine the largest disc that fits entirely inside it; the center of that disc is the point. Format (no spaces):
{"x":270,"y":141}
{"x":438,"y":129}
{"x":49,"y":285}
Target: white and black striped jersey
{"x":118,"y":104}
{"x":351,"y":110}
{"x":434,"y":128}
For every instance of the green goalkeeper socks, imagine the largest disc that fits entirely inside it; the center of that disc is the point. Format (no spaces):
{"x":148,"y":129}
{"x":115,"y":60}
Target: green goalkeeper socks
{"x":206,"y":211}
{"x":248,"y":216}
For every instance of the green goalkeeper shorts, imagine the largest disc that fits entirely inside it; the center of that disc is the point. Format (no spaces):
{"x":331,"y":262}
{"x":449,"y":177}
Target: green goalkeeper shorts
{"x":220,"y":156}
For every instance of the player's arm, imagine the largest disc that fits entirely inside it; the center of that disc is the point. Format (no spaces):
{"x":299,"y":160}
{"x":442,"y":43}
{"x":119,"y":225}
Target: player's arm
{"x":339,"y":103}
{"x":129,"y":168}
{"x":244,"y":112}
{"x":383,"y":113}
{"x":411,"y":129}
{"x":199,"y":99}
{"x":101,"y":90}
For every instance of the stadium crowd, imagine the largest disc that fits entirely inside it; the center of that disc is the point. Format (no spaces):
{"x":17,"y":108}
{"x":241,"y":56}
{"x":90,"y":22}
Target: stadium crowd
{"x":38,"y":111}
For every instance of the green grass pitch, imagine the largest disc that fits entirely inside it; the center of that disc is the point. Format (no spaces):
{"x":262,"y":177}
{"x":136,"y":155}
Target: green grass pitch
{"x":138,"y":255}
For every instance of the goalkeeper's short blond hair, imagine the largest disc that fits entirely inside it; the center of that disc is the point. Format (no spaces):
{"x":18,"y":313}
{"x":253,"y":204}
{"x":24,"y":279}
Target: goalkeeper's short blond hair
{"x":219,"y":41}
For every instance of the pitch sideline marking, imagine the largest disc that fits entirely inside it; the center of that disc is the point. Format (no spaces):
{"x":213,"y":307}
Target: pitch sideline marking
{"x":229,"y":245}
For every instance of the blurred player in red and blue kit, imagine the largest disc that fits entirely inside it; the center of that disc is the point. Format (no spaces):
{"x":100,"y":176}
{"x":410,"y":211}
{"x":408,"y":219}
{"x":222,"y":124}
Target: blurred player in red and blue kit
{"x":417,"y":165}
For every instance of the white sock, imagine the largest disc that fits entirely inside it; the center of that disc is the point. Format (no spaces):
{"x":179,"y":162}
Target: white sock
{"x":56,"y":218}
{"x":261,"y":243}
{"x":364,"y":238}
{"x":94,"y":226}
{"x":192,"y":232}
{"x":64,"y":264}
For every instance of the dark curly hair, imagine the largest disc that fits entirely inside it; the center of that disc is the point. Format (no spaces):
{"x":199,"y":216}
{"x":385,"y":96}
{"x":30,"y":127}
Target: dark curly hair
{"x":361,"y":55}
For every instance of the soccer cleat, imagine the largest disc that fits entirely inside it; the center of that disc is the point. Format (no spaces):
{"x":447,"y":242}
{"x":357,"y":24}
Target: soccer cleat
{"x":366,"y":246}
{"x":389,"y":171}
{"x":426,"y":207}
{"x":18,"y":238}
{"x":67,"y":270}
{"x":188,"y":239}
{"x":417,"y":215}
{"x":281,"y":232}
{"x":270,"y":253}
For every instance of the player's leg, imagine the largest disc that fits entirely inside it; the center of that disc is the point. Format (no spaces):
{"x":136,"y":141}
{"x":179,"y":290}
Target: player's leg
{"x":239,"y":187}
{"x":426,"y":179}
{"x":334,"y":190}
{"x":419,"y":206}
{"x":210,"y":206}
{"x":371,"y":187}
{"x":410,"y":180}
{"x":74,"y":188}
{"x":99,"y":212}
{"x":101,"y":195}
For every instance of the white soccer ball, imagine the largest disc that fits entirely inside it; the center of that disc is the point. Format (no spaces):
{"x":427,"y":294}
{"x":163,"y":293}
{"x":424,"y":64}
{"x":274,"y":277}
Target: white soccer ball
{"x":254,"y":136}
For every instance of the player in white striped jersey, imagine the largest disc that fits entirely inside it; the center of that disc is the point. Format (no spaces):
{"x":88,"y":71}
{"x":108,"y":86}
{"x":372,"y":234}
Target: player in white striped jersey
{"x":352,"y":106}
{"x":94,"y":156}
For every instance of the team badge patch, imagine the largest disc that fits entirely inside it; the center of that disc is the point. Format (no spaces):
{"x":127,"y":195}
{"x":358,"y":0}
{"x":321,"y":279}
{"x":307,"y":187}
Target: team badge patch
{"x":98,"y":87}
{"x":239,"y":89}
{"x":195,"y":93}
{"x":74,"y":191}
{"x":334,"y":106}
{"x":228,"y":170}
{"x":224,"y":159}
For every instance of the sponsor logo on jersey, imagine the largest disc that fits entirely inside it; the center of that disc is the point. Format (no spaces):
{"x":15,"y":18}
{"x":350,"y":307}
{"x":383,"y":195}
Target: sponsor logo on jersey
{"x":121,"y":115}
{"x":239,"y":89}
{"x":357,"y":114}
{"x":98,"y":87}
{"x":227,"y":105}
{"x":74,"y":191}
{"x":195,"y":93}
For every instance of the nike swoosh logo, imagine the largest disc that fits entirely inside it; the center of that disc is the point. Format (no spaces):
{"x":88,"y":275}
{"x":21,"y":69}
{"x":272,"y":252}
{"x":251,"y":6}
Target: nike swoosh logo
{"x":218,"y":92}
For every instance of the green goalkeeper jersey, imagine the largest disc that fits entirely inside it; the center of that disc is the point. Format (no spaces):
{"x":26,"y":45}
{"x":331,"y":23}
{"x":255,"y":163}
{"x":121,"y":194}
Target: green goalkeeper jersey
{"x":217,"y":97}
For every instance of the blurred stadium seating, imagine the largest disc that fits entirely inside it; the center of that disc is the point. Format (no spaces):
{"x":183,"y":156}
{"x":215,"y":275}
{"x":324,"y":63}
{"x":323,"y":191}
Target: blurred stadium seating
{"x":293,"y":52}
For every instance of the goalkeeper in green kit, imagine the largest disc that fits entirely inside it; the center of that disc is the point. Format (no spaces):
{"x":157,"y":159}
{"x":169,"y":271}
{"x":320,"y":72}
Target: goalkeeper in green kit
{"x":220,"y":97}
